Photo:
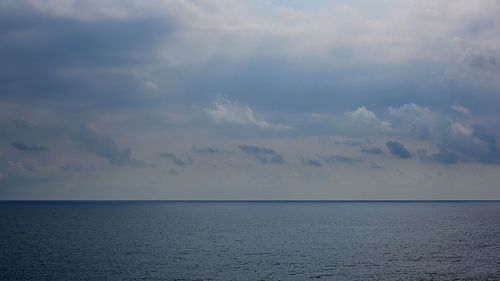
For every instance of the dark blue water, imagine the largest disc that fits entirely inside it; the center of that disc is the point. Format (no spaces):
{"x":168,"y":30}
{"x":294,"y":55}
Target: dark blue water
{"x":249,"y":241}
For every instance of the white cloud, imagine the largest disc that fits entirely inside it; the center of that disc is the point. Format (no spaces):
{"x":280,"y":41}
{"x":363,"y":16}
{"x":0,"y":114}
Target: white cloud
{"x":364,"y":117}
{"x":461,"y":129}
{"x":460,"y":109}
{"x":225,"y":111}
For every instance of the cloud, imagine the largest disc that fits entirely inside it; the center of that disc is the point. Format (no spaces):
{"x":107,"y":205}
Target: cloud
{"x":28,"y":170}
{"x":225,"y":111}
{"x":20,"y":123}
{"x":467,"y":144}
{"x":446,"y":156}
{"x":349,"y":142}
{"x":478,"y":65}
{"x":416,"y":120}
{"x":24,"y":147}
{"x":460,"y":109}
{"x":460,"y":129}
{"x":375,"y":165}
{"x":481,"y":147}
{"x":310,"y":162}
{"x":174,"y":159}
{"x":366,"y":118}
{"x":208,"y":149}
{"x":94,"y":70}
{"x":398,"y":149}
{"x":263,"y":154}
{"x":336,"y":159}
{"x":372,"y":150}
{"x":103,"y":146}
{"x":479,"y":55}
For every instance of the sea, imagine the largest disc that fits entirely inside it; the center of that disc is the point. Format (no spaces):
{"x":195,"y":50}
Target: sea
{"x":250,"y":240}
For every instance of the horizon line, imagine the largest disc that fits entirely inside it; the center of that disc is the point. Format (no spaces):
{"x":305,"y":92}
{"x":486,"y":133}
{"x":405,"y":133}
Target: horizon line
{"x":246,"y":200}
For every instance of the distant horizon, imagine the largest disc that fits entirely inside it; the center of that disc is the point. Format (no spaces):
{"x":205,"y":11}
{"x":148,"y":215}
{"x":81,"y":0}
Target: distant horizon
{"x":257,"y":200}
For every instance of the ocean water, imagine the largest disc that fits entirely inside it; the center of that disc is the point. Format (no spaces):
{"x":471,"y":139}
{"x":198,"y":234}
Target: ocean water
{"x":250,"y":241}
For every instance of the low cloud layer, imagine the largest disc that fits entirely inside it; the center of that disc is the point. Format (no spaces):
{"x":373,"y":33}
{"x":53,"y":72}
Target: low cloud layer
{"x":341,"y":159}
{"x":24,"y":147}
{"x":263,"y":154}
{"x":20,"y":123}
{"x":174,"y":159}
{"x":103,"y":146}
{"x":311,"y":162}
{"x":208,"y":149}
{"x":372,"y":150}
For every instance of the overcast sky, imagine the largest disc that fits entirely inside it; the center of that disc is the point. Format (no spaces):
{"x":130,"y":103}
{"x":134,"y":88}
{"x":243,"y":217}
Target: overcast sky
{"x":272,"y":99}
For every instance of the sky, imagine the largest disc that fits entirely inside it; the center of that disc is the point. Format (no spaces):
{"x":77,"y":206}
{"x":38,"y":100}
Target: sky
{"x":179,"y":99}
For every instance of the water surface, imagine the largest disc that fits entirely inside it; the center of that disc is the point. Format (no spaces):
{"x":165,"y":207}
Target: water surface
{"x":250,"y":240}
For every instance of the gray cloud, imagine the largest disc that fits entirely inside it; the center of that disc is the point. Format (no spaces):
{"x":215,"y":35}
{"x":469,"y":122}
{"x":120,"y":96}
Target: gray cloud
{"x":336,"y":159}
{"x":415,"y":120}
{"x":20,"y":123}
{"x":174,"y":159}
{"x":479,"y":56}
{"x":485,"y":62}
{"x":263,"y":154}
{"x":398,"y":149}
{"x":311,"y":162}
{"x":372,"y":150}
{"x":349,"y":142}
{"x":70,"y":60}
{"x":103,"y":146}
{"x":481,"y":146}
{"x":446,"y":156}
{"x":24,"y":147}
{"x":207,"y":149}
{"x":464,"y":143}
{"x":375,"y":165}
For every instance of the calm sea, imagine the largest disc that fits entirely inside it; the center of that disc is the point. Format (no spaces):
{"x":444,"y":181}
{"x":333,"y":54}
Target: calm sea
{"x":250,"y":241}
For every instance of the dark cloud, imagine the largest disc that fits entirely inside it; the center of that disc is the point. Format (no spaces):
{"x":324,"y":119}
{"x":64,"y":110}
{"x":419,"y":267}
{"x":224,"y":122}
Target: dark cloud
{"x":486,"y":62}
{"x":372,"y":150}
{"x":263,"y":154}
{"x":61,"y":59}
{"x":24,"y":147}
{"x":340,"y":159}
{"x":105,"y":147}
{"x":311,"y":162}
{"x":208,"y":149}
{"x":72,"y":167}
{"x":481,"y":147}
{"x":446,"y":156}
{"x":349,"y":142}
{"x":174,"y":159}
{"x":487,"y":150}
{"x":398,"y":149}
{"x":485,"y":136}
{"x":20,"y":123}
